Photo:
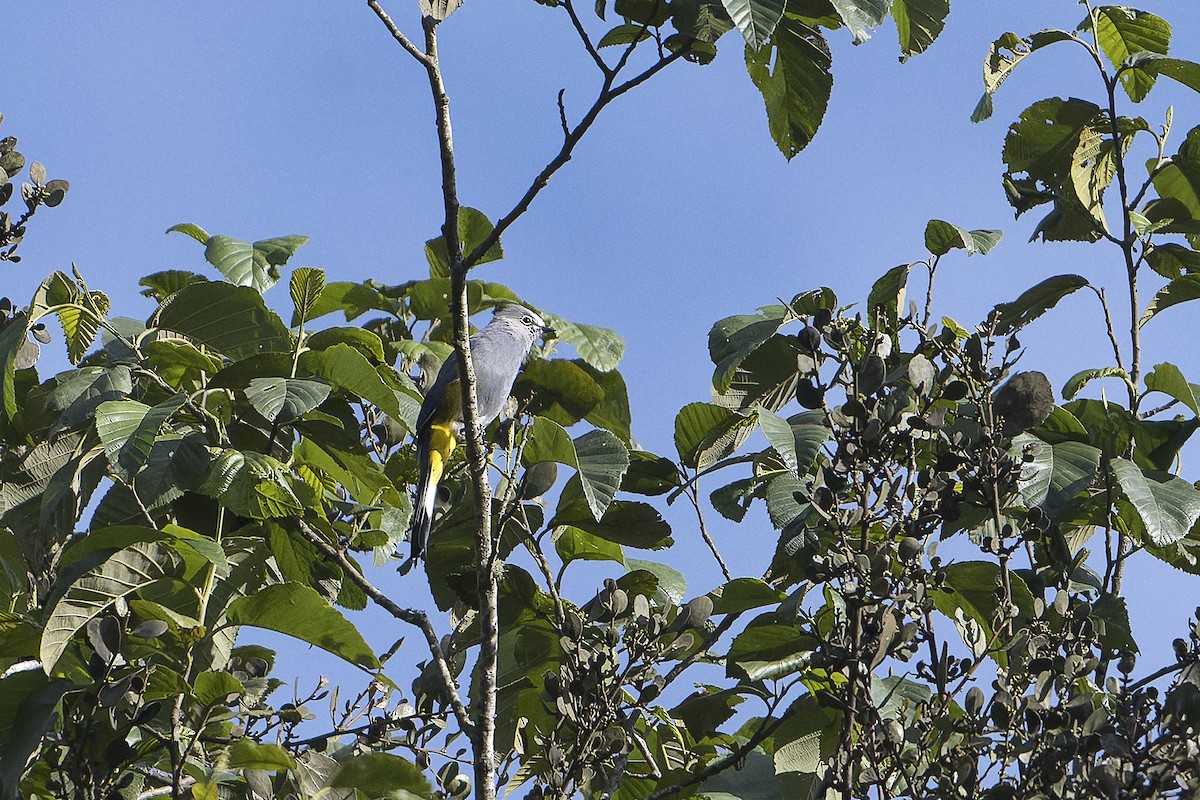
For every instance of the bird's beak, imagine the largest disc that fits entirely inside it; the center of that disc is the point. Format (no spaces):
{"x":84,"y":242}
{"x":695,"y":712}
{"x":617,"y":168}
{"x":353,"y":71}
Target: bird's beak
{"x":549,"y":333}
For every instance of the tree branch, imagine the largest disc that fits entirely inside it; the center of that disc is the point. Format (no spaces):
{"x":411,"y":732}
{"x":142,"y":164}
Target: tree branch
{"x":398,"y":34}
{"x":411,"y":616}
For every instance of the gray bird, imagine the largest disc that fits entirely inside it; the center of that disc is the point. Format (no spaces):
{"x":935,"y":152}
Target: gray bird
{"x":497,"y":353}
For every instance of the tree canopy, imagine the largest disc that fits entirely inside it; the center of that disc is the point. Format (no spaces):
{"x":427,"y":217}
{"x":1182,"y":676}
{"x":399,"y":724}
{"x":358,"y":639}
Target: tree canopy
{"x":943,"y":611}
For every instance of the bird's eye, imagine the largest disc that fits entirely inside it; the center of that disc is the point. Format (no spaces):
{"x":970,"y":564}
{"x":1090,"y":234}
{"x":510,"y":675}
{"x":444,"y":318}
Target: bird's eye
{"x":527,"y":320}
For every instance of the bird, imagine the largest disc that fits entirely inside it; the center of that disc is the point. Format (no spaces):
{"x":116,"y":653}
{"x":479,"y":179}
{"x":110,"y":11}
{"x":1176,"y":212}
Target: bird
{"x":497,"y":353}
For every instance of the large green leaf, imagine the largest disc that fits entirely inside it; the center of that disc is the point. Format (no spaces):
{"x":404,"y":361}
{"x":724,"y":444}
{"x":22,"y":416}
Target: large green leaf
{"x":598,"y":457}
{"x":121,"y":574}
{"x":561,"y":390}
{"x":599,"y":347}
{"x":1180,"y":290}
{"x":742,"y":594}
{"x":1182,"y":70}
{"x":298,"y":611}
{"x":29,"y":706}
{"x":576,"y":544}
{"x":1122,"y":32}
{"x":255,"y":265}
{"x":13,"y":337}
{"x":1057,"y":472}
{"x":705,"y":433}
{"x":970,"y":589}
{"x":381,"y":775}
{"x":796,"y":91}
{"x":768,"y":651}
{"x":347,"y":368}
{"x":797,"y":439}
{"x":253,"y":485}
{"x":626,"y":523}
{"x":1035,"y":301}
{"x":286,"y":399}
{"x":919,"y":23}
{"x":734,"y":339}
{"x":128,"y":428}
{"x":1168,"y":506}
{"x":232,"y":320}
{"x":941,"y":237}
{"x":1168,"y":379}
{"x":473,"y":228}
{"x":756,"y":20}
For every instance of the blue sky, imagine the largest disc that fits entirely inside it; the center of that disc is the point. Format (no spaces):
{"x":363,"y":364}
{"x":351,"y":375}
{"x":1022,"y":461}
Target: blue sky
{"x":271,"y":118}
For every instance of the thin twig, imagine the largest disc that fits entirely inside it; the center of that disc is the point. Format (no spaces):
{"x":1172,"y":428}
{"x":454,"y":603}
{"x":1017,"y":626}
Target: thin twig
{"x":708,"y":540}
{"x":399,"y":36}
{"x":411,"y":616}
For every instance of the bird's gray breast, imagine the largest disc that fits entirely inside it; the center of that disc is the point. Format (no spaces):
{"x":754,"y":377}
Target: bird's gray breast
{"x":496,"y":356}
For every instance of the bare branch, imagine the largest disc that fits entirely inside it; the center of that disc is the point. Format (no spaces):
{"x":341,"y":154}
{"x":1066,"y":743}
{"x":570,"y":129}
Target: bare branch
{"x":398,"y":34}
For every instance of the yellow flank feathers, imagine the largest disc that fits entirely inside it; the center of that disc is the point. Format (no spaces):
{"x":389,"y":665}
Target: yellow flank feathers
{"x":441,"y":445}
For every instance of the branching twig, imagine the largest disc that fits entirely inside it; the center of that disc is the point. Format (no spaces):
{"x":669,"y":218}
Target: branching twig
{"x":413,"y":617}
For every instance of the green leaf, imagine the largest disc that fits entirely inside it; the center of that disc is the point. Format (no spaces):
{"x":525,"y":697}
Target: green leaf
{"x":796,"y":92}
{"x":756,"y":20}
{"x":306,"y":286}
{"x":743,"y":594}
{"x":1180,"y":290}
{"x":733,"y":339}
{"x":12,"y":338}
{"x":576,"y":544}
{"x":1057,"y":473}
{"x":191,"y":229}
{"x":601,"y":348}
{"x":162,"y":285}
{"x":1003,"y":57}
{"x":768,"y":651}
{"x":232,"y":320}
{"x":887,"y":294}
{"x":1168,"y":506}
{"x":298,"y":611}
{"x":1036,"y":301}
{"x":1186,"y":72}
{"x":1080,"y":379}
{"x":348,"y":369}
{"x":861,"y":16}
{"x":252,"y":485}
{"x":473,"y":228}
{"x":797,"y":439}
{"x":671,"y":583}
{"x":624,"y":35}
{"x":1167,"y":378}
{"x":598,"y":457}
{"x":128,"y":428}
{"x":256,"y":265}
{"x":919,"y":23}
{"x":1172,"y":260}
{"x":121,"y":574}
{"x":286,"y":399}
{"x":970,"y":588}
{"x":380,"y":775}
{"x":1122,"y":32}
{"x":1116,"y":632}
{"x":705,"y":433}
{"x":560,"y":390}
{"x":941,"y":237}
{"x":627,"y":523}
{"x":216,"y":688}
{"x":246,"y":753}
{"x":29,"y":708}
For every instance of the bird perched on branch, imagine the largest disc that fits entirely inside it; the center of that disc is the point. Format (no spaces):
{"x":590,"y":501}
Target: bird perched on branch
{"x":497,"y":353}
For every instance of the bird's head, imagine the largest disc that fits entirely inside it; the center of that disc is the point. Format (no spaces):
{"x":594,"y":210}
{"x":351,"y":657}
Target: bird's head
{"x":528,"y":322}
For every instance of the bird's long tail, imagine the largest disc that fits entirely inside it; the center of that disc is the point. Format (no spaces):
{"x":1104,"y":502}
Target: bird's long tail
{"x":432,"y":457}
